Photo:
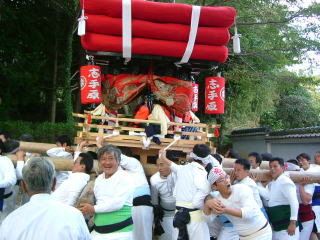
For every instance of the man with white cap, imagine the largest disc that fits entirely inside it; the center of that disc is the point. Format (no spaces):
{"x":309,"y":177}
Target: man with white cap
{"x":238,"y":204}
{"x":191,"y":188}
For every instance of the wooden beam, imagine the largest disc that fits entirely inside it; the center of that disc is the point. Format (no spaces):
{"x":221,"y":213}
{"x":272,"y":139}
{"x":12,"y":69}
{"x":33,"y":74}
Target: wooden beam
{"x":296,"y":176}
{"x":63,"y":164}
{"x":229,"y":162}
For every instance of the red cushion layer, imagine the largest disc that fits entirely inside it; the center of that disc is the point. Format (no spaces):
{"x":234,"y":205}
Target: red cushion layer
{"x":162,"y":31}
{"x":107,"y":43}
{"x":163,"y":12}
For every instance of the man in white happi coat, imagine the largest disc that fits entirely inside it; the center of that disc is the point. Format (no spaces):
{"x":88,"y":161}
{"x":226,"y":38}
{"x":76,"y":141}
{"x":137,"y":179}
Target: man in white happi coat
{"x":191,"y":188}
{"x":241,"y":176}
{"x":282,"y":201}
{"x":237,"y":203}
{"x":7,"y":182}
{"x":63,"y":150}
{"x":70,"y":190}
{"x":316,"y":196}
{"x":113,"y":191}
{"x":162,"y":187}
{"x":42,"y":217}
{"x":305,"y":192}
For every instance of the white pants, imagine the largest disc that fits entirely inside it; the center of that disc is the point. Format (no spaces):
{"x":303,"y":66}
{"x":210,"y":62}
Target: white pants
{"x":111,"y":236}
{"x":228,"y":233}
{"x":142,"y":217}
{"x":196,"y":231}
{"x":263,"y":234}
{"x":307,"y":230}
{"x":316,"y":210}
{"x":214,"y":224}
{"x":167,"y":225}
{"x":283,"y":235}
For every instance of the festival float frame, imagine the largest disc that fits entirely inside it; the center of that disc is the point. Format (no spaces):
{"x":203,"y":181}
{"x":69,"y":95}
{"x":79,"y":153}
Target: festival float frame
{"x":122,"y":35}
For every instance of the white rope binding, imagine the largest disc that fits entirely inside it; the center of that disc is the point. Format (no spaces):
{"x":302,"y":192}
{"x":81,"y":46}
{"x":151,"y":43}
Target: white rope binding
{"x":195,"y":16}
{"x":126,"y":30}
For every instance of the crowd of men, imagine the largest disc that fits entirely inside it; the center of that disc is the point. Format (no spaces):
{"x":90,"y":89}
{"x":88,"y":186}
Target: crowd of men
{"x":194,"y":201}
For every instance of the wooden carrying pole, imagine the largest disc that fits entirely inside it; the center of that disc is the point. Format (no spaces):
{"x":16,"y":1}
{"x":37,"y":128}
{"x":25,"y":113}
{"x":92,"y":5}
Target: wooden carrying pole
{"x":35,"y":147}
{"x":63,"y":164}
{"x":229,"y":162}
{"x":296,"y":176}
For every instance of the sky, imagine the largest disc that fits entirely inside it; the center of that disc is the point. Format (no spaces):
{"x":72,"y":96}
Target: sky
{"x":311,"y":64}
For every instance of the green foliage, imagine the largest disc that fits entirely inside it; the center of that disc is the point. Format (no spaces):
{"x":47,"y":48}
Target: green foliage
{"x":42,"y":132}
{"x":297,"y":111}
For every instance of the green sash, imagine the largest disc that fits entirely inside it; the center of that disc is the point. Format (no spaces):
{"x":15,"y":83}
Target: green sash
{"x":108,"y":218}
{"x":280,"y":217}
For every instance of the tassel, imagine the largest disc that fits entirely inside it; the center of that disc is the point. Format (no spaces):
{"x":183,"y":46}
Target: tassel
{"x":216,"y":132}
{"x":82,"y":24}
{"x":236,"y":41}
{"x":89,"y":119}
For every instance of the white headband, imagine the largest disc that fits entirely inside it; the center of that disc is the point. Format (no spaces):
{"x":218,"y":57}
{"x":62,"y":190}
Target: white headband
{"x":206,"y":160}
{"x":214,"y":175}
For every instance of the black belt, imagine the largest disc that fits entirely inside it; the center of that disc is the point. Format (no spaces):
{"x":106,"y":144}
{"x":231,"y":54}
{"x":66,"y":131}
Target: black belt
{"x":264,"y":226}
{"x":113,"y":227}
{"x":144,"y":200}
{"x":189,"y":209}
{"x":4,"y":196}
{"x":167,"y":209}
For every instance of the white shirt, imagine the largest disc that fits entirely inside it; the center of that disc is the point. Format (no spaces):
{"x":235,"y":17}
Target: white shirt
{"x":163,"y":188}
{"x":282,"y":191}
{"x":252,"y":184}
{"x":44,"y":218}
{"x":70,"y":190}
{"x":308,"y":188}
{"x":113,"y":193}
{"x":60,"y":152}
{"x":135,"y":169}
{"x":7,"y":174}
{"x":252,"y":218}
{"x":192,"y":185}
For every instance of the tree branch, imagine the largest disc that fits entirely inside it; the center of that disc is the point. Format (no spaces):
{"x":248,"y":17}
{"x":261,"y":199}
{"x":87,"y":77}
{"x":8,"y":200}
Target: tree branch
{"x":271,"y":22}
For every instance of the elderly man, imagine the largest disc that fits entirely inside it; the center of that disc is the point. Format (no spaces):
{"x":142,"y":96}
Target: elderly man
{"x":162,"y":186}
{"x":42,"y":217}
{"x":239,"y":206}
{"x":113,"y":191}
{"x":7,"y":182}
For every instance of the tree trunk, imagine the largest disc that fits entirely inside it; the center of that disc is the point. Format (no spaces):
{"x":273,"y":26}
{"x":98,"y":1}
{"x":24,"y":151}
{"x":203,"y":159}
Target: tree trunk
{"x":54,"y":81}
{"x":67,"y":75}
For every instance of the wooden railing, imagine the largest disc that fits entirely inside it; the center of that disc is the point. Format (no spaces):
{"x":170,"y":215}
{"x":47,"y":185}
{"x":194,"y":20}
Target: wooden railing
{"x":88,"y":131}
